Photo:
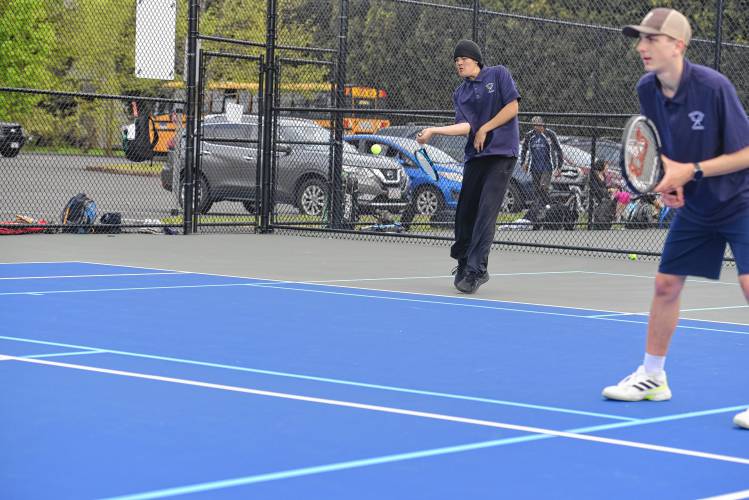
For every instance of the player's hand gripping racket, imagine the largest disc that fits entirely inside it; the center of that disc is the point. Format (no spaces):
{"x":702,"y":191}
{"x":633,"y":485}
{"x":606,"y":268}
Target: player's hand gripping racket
{"x":425,"y":164}
{"x":641,"y":163}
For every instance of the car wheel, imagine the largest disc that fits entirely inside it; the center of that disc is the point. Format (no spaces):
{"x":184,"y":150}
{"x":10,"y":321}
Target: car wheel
{"x":513,"y":200}
{"x":428,"y":201}
{"x":312,"y":197}
{"x":202,"y":193}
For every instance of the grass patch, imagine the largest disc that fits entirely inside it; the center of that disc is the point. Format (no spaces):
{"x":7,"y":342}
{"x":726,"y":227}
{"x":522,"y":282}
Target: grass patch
{"x":70,"y":150}
{"x":142,"y":169}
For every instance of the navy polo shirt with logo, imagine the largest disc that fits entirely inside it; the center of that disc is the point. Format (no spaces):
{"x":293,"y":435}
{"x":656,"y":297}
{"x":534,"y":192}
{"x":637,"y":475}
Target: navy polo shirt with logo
{"x":479,"y":100}
{"x":703,"y":120}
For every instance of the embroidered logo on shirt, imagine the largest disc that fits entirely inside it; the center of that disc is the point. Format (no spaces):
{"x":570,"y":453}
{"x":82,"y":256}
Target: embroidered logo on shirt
{"x":490,"y":87}
{"x":697,"y":117}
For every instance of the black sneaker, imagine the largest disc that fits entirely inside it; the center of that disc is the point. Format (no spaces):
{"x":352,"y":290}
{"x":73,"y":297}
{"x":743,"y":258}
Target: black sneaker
{"x":459,"y":271}
{"x":472,"y":281}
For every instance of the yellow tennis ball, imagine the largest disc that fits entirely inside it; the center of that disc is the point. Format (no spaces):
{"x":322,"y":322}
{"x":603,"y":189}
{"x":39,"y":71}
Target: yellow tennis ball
{"x":632,"y":256}
{"x":376,"y":149}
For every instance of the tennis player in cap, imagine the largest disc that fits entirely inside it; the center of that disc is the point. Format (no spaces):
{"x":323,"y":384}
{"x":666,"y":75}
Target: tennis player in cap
{"x":705,"y":135}
{"x":486,"y":109}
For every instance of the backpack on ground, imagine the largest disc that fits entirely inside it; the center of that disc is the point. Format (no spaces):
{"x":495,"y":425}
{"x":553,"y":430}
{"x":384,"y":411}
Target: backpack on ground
{"x":535,"y":214}
{"x":559,"y":216}
{"x":79,"y":210}
{"x":640,"y":214}
{"x":603,"y":215}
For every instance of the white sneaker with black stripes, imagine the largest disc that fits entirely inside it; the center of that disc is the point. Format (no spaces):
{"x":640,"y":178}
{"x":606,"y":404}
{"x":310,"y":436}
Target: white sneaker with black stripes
{"x":638,"y":386}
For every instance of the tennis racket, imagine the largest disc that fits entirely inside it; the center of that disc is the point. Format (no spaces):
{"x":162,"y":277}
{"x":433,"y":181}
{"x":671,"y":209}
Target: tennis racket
{"x":641,"y":163}
{"x":425,"y":164}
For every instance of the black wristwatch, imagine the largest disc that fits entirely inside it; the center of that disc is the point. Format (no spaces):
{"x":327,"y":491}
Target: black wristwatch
{"x":698,"y":173}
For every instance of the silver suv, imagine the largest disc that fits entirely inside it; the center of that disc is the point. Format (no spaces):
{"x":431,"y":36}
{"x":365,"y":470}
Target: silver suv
{"x":229,"y":168}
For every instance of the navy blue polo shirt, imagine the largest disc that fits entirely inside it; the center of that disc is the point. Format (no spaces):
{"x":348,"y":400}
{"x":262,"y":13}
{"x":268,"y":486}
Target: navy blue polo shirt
{"x":479,"y":100}
{"x":703,"y":120}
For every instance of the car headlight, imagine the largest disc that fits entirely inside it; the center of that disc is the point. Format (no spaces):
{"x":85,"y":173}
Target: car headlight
{"x":452,"y":176}
{"x":361,"y":173}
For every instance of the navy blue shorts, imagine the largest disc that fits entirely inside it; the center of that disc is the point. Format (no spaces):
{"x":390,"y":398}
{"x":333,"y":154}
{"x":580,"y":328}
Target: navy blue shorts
{"x":693,"y":249}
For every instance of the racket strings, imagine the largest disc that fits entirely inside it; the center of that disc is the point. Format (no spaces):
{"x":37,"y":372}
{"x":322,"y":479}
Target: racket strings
{"x":641,"y":157}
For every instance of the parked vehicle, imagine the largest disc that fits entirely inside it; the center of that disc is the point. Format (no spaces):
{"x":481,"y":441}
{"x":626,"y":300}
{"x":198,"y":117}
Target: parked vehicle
{"x":11,"y":139}
{"x":428,"y":197}
{"x":229,"y":168}
{"x":520,"y":193}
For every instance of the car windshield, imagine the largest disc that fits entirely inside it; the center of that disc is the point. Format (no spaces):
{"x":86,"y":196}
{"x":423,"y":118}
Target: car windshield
{"x":307,"y":132}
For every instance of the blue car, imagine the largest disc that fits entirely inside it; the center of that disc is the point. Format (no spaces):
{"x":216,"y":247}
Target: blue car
{"x":428,"y":197}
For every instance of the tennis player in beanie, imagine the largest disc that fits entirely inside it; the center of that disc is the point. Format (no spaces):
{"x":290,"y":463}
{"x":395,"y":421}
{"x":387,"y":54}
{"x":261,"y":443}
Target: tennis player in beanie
{"x":486,"y":109}
{"x":469,"y":49}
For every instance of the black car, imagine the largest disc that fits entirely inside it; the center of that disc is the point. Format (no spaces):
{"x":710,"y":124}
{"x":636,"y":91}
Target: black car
{"x":11,"y":139}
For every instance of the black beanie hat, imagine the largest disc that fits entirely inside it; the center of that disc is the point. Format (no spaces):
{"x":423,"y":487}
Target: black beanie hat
{"x":467,"y":48}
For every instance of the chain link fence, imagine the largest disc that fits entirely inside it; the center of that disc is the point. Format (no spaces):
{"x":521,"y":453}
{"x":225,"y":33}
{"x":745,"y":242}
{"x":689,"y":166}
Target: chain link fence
{"x":344,"y":86}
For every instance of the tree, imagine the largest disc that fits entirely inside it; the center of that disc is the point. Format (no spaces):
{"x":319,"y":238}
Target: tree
{"x":26,"y":41}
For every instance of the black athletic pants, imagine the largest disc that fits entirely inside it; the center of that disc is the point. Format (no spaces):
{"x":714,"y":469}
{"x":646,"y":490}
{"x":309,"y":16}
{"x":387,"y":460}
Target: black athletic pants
{"x":484,"y":185}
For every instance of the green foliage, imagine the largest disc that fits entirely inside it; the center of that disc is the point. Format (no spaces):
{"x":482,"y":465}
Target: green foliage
{"x":564,"y":55}
{"x":26,"y":41}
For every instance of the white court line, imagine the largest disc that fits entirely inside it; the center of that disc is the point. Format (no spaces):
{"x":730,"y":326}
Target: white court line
{"x":274,"y":281}
{"x":357,"y":280}
{"x":58,"y":354}
{"x":396,"y":411}
{"x":689,"y":280}
{"x":274,"y":285}
{"x":48,"y":262}
{"x":715,"y":308}
{"x":645,"y":313}
{"x":739,"y":495}
{"x":92,"y":275}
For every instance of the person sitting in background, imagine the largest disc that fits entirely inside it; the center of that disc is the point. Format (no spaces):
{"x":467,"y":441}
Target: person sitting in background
{"x":601,"y":191}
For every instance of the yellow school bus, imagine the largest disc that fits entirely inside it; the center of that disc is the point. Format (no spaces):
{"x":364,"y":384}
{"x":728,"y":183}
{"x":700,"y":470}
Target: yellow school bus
{"x":304,"y":95}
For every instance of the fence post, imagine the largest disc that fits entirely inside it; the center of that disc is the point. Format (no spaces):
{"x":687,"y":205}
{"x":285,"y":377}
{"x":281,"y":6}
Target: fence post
{"x":267,"y":145}
{"x":590,"y":176}
{"x":336,"y":194}
{"x":718,"y":33}
{"x":475,"y":22}
{"x":190,"y":150}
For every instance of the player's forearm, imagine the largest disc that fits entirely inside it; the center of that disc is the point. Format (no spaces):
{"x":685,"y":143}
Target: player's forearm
{"x":456,"y":129}
{"x":726,"y":164}
{"x":507,"y":113}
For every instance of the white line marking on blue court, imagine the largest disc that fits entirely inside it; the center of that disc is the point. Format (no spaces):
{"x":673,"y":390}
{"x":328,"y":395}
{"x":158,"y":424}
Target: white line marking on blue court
{"x":328,"y":380}
{"x":447,"y":296}
{"x":58,"y":354}
{"x":305,"y":471}
{"x":91,"y":276}
{"x":366,"y":462}
{"x":398,"y":411}
{"x":275,"y":285}
{"x":738,"y":495}
{"x":477,"y":306}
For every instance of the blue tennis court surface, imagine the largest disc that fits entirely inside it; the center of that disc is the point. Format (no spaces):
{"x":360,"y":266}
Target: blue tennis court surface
{"x":123,"y":382}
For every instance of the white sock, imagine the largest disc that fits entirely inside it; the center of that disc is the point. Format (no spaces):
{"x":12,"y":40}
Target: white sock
{"x":654,"y":364}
